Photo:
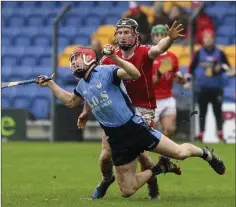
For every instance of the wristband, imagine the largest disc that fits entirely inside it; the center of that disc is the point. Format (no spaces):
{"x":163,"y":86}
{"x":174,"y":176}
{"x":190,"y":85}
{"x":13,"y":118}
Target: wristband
{"x":188,"y":79}
{"x":159,"y":74}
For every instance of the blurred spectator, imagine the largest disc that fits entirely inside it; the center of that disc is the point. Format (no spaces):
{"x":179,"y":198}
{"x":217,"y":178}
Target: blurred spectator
{"x":160,"y":16}
{"x":183,"y":4}
{"x":207,"y":68}
{"x":202,"y":22}
{"x":176,"y":13}
{"x":96,"y":45}
{"x":140,"y":17}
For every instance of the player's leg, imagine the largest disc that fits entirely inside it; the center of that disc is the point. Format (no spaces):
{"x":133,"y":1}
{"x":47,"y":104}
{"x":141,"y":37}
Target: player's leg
{"x":106,"y":167}
{"x":168,"y":117}
{"x":125,"y":159}
{"x":168,"y":123}
{"x":129,"y":182}
{"x":158,"y":112}
{"x":144,"y":160}
{"x":105,"y":160}
{"x":171,"y":149}
{"x":126,"y":145}
{"x":153,"y":187}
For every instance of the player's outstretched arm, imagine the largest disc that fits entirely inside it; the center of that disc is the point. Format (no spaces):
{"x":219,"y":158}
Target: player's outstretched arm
{"x":69,"y":99}
{"x":127,"y":70}
{"x":173,"y":33}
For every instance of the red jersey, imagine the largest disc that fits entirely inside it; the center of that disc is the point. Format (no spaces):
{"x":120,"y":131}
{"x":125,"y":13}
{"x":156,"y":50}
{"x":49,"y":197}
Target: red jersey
{"x":141,"y":90}
{"x":163,"y":88}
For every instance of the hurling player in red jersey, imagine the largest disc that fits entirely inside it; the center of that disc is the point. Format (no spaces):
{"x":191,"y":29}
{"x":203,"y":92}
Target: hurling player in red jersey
{"x":165,"y":71}
{"x":140,"y":91}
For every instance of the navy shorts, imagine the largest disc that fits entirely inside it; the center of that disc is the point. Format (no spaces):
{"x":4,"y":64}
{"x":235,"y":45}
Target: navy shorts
{"x":131,"y":139}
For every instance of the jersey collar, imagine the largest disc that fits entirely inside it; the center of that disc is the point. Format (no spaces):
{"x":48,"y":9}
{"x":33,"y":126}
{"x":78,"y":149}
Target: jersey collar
{"x":90,"y":74}
{"x":209,"y":50}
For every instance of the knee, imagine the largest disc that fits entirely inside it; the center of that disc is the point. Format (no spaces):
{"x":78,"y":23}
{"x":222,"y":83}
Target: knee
{"x":127,"y":185}
{"x":182,"y":153}
{"x":169,"y":131}
{"x":127,"y":191}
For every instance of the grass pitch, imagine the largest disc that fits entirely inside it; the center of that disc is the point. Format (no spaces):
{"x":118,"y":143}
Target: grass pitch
{"x":65,"y":174}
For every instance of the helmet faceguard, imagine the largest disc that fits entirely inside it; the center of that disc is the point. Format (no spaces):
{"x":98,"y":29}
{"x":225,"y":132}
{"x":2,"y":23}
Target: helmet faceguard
{"x":87,"y":58}
{"x":129,"y":42}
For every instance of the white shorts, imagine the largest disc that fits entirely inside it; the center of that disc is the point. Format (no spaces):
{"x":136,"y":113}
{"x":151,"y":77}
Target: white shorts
{"x":166,"y":106}
{"x":146,"y":113}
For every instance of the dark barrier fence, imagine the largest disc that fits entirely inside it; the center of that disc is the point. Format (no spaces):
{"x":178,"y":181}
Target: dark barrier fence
{"x":66,"y":124}
{"x":15,"y":128}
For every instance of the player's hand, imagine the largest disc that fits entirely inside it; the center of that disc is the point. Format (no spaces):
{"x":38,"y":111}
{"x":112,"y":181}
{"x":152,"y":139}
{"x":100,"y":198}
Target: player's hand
{"x":231,"y":72}
{"x":82,"y":120}
{"x":187,"y":85}
{"x":217,"y":68}
{"x":179,"y":78}
{"x":41,"y":80}
{"x":175,"y":30}
{"x":109,"y":50}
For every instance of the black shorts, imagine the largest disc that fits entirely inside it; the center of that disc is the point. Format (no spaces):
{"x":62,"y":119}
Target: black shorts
{"x":131,"y":139}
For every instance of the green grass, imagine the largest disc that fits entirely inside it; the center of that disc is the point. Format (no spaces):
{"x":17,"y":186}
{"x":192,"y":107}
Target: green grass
{"x":65,"y":174}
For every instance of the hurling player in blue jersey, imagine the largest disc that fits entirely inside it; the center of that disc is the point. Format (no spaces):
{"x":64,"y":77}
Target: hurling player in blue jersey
{"x":129,"y":135}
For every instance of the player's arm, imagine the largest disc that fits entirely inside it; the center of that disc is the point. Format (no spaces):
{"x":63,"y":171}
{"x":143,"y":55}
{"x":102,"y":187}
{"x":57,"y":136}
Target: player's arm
{"x":84,"y":116}
{"x":172,"y":34}
{"x":158,"y":73}
{"x":71,"y":100}
{"x":87,"y":108}
{"x":225,"y":66}
{"x":154,"y":79}
{"x":155,"y":74}
{"x":127,"y":70}
{"x":179,"y":78}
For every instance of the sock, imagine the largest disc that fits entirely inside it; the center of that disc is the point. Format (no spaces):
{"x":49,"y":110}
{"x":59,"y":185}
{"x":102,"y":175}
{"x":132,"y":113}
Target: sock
{"x":206,"y":156}
{"x":107,"y":177}
{"x":107,"y":170}
{"x":153,"y":188}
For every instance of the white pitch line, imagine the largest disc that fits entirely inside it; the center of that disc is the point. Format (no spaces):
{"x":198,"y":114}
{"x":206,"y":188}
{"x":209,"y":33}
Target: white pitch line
{"x":85,"y":198}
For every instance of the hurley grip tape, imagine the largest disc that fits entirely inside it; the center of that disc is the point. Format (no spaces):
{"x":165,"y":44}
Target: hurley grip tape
{"x":107,"y":51}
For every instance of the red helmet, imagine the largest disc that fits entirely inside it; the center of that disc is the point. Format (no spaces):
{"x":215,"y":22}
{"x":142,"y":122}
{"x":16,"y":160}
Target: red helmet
{"x":89,"y":57}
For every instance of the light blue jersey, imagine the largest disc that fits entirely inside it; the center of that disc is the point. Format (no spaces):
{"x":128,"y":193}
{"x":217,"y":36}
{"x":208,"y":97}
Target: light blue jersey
{"x":104,"y":91}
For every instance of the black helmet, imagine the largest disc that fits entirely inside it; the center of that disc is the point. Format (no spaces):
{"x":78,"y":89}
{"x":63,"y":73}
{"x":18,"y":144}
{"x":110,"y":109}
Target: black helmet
{"x":129,"y":23}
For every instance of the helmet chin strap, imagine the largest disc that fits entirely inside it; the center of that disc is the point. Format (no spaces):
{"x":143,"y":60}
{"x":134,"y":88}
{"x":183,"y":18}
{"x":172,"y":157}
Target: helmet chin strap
{"x":87,"y":63}
{"x":127,"y":46}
